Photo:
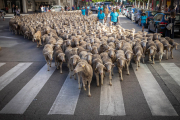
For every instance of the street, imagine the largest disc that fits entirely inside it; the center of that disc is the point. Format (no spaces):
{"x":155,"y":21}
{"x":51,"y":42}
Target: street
{"x":29,"y":92}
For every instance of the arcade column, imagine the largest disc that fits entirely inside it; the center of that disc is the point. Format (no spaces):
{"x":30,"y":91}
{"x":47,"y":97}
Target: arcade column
{"x":24,"y":6}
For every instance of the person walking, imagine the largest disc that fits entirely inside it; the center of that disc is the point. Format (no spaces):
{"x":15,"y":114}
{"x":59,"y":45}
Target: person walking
{"x":106,"y":11}
{"x":17,"y":11}
{"x":171,"y":19}
{"x":65,"y":8}
{"x":114,"y":17}
{"x":13,"y":9}
{"x":101,"y":16}
{"x":143,"y":20}
{"x":78,"y":8}
{"x":42,"y":9}
{"x":2,"y":15}
{"x":157,"y":8}
{"x":83,"y":11}
{"x":87,"y":11}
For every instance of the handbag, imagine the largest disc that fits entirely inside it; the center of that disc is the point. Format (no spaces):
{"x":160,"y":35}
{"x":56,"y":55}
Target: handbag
{"x":170,"y":25}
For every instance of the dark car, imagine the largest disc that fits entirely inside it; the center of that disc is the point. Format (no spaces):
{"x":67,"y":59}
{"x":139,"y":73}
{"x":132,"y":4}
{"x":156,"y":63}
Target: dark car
{"x":158,"y":23}
{"x":94,"y":8}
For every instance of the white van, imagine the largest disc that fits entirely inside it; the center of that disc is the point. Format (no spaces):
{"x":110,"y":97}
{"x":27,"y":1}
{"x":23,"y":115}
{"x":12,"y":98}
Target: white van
{"x":56,"y":8}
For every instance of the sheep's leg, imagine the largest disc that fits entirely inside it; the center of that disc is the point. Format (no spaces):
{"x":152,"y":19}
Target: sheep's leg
{"x":112,"y":72}
{"x":40,"y":42}
{"x":136,"y":65}
{"x":127,"y":65}
{"x":60,"y":67}
{"x":79,"y":85}
{"x":143,"y":60}
{"x":110,"y":79}
{"x":50,"y":62}
{"x":84,"y":85}
{"x":56,"y":62}
{"x":89,"y":85}
{"x":75,"y":77}
{"x":150,"y":57}
{"x":97,"y":79}
{"x":153,"y":58}
{"x":171,"y":53}
{"x":102,"y":78}
{"x":166,"y":55}
{"x":70,"y":71}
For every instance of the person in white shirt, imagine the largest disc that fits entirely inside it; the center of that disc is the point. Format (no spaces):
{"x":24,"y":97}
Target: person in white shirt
{"x":17,"y":11}
{"x":42,"y":9}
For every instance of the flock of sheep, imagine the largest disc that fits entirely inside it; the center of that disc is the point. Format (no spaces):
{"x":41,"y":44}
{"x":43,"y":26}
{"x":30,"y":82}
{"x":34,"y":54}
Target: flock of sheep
{"x":87,"y":46}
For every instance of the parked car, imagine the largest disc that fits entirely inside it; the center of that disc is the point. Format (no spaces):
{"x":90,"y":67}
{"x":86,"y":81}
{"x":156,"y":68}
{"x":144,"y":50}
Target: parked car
{"x":128,"y":11}
{"x":2,"y":11}
{"x":158,"y":23}
{"x":124,"y":10}
{"x":56,"y":8}
{"x":150,"y":15}
{"x":133,"y":14}
{"x":137,"y":15}
{"x":94,"y":8}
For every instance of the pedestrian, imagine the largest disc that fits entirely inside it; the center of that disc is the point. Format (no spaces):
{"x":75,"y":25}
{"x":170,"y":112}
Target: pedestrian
{"x":87,"y":11}
{"x":171,"y":19}
{"x":78,"y":8}
{"x":47,"y":8}
{"x":17,"y":11}
{"x":114,"y":16}
{"x":157,"y":8}
{"x":13,"y":9}
{"x":73,"y":7}
{"x":65,"y":8}
{"x":109,"y":8}
{"x":101,"y":16}
{"x":106,"y":11}
{"x":42,"y":9}
{"x":143,"y":20}
{"x":83,"y":11}
{"x":166,"y":9}
{"x":2,"y":15}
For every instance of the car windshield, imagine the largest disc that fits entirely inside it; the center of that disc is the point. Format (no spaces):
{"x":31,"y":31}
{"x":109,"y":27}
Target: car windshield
{"x":153,"y":13}
{"x":177,"y":17}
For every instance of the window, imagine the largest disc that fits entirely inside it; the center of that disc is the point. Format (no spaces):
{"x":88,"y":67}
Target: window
{"x":158,"y":17}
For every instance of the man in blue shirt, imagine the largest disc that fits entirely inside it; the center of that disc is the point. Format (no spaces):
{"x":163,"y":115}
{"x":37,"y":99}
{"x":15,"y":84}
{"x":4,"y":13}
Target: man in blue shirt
{"x":87,"y":11}
{"x":101,"y":16}
{"x":114,"y":17}
{"x":83,"y":11}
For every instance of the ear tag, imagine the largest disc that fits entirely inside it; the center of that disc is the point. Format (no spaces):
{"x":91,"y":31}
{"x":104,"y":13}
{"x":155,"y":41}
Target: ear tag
{"x":82,"y":65}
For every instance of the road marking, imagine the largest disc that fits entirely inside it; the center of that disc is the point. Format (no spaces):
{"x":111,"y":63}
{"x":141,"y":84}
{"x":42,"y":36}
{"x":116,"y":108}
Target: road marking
{"x":12,"y":74}
{"x":111,"y":99}
{"x":1,"y":64}
{"x":7,"y":37}
{"x":154,"y":95}
{"x":67,"y":98}
{"x":26,"y":95}
{"x":173,"y":70}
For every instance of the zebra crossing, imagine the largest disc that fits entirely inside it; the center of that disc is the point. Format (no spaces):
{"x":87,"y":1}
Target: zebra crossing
{"x":111,"y":97}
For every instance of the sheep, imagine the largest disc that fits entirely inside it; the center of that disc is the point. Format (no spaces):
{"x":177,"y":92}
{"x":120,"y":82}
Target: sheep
{"x":151,"y":49}
{"x":167,"y":47}
{"x":37,"y":38}
{"x":72,"y":64}
{"x":48,"y":54}
{"x":59,"y":58}
{"x":138,"y":53}
{"x":121,"y":62}
{"x":160,"y":49}
{"x":109,"y":66}
{"x":98,"y":68}
{"x":86,"y":73}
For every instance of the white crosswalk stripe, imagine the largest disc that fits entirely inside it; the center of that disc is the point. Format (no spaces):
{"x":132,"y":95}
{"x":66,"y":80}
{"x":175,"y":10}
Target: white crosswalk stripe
{"x":69,"y":93}
{"x":155,"y":97}
{"x":1,"y":64}
{"x":111,"y":97}
{"x":25,"y":96}
{"x":173,"y":71}
{"x":12,"y":74}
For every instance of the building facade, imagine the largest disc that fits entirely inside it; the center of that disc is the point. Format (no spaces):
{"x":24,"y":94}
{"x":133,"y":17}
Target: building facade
{"x":32,"y":5}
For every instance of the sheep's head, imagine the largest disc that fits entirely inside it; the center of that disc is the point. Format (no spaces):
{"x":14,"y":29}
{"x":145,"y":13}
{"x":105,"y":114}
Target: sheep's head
{"x":100,"y":68}
{"x":152,"y":49}
{"x":89,"y":57}
{"x":75,"y":59}
{"x":61,"y":57}
{"x":109,"y":66}
{"x":80,"y":67}
{"x":121,"y":61}
{"x":111,"y":52}
{"x":175,"y":45}
{"x":168,"y":47}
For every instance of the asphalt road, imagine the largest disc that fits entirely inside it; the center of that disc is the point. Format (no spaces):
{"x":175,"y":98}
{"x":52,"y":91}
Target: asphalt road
{"x":29,"y":92}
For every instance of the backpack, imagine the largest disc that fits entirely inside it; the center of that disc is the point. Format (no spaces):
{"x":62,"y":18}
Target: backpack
{"x":170,"y":25}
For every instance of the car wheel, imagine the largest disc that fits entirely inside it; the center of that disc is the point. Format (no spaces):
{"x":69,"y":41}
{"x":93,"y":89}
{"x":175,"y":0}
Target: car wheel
{"x":149,"y":28}
{"x":156,"y":30}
